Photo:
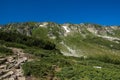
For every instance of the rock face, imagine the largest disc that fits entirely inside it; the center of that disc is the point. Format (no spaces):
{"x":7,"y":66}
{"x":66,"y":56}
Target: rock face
{"x":10,"y":68}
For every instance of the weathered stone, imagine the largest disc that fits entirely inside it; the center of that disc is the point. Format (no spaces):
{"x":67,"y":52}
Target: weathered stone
{"x":3,"y":66}
{"x":10,"y":68}
{"x":2,"y":59}
{"x":1,"y":72}
{"x":19,"y":73}
{"x":11,"y":78}
{"x":6,"y":75}
{"x":21,"y":78}
{"x":14,"y":77}
{"x":21,"y":60}
{"x":10,"y":59}
{"x":98,"y":67}
{"x":4,"y":70}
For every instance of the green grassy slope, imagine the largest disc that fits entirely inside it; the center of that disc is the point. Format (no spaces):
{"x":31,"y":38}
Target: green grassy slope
{"x":102,"y":61}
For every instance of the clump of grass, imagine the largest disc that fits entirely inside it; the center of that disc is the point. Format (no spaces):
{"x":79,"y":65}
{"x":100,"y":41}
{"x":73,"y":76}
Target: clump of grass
{"x":17,"y":45}
{"x":107,"y":57}
{"x":5,"y":51}
{"x":103,"y":42}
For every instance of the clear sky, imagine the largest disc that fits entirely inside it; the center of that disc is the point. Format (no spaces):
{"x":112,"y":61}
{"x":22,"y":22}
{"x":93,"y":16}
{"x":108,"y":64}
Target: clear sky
{"x":104,"y":12}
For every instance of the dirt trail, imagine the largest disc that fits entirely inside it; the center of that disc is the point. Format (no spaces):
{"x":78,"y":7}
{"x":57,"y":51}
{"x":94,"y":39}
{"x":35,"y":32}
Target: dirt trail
{"x":10,"y":66}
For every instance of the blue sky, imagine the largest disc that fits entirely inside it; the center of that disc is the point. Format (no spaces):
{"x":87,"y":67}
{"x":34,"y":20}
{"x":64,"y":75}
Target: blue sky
{"x":104,"y":12}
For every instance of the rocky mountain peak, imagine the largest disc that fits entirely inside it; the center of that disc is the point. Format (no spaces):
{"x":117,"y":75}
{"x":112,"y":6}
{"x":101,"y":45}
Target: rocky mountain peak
{"x":67,"y":28}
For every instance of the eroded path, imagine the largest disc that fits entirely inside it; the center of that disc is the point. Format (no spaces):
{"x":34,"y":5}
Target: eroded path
{"x":10,"y":67}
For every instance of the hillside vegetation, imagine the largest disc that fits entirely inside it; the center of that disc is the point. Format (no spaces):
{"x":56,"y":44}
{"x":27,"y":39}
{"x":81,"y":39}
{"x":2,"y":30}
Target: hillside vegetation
{"x":65,"y":51}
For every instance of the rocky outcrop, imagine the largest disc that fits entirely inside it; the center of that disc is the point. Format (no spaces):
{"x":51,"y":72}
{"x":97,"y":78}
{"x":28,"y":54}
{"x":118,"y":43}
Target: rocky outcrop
{"x":10,"y":67}
{"x":63,"y":29}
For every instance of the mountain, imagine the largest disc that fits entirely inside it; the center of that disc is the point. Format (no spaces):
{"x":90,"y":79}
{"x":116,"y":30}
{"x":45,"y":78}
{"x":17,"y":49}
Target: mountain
{"x":71,"y":38}
{"x":66,"y":51}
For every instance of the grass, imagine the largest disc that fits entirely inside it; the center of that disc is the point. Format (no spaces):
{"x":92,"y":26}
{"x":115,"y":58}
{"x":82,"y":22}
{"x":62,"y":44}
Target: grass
{"x":71,"y":68}
{"x":108,"y":58}
{"x":43,"y":66}
{"x":40,"y":33}
{"x":5,"y":51}
{"x":84,"y":70}
{"x":26,"y":40}
{"x":13,"y":44}
{"x":103,"y":42}
{"x":51,"y":63}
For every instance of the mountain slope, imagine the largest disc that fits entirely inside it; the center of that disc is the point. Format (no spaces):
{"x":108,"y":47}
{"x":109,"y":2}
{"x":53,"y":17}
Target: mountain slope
{"x":76,"y":39}
{"x":66,"y":51}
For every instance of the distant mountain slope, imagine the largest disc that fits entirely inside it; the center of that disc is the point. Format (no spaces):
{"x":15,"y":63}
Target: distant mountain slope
{"x":62,"y":51}
{"x":72,"y":39}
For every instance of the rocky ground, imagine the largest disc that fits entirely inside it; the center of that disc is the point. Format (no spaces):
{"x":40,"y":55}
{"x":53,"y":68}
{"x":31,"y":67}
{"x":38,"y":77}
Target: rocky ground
{"x":10,"y":67}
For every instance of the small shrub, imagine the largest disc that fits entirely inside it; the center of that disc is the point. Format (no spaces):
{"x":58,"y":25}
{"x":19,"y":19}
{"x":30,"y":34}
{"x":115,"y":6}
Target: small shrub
{"x":5,"y":51}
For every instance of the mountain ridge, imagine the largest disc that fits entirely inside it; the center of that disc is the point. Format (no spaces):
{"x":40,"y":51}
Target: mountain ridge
{"x":110,"y":31}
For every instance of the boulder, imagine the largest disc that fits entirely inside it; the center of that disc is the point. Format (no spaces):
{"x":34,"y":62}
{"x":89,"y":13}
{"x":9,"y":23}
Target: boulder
{"x":6,"y":75}
{"x":10,"y":59}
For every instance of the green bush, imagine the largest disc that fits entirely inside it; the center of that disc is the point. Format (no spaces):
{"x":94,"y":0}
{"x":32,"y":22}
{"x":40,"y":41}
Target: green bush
{"x":5,"y":51}
{"x":40,"y":33}
{"x":37,"y":69}
{"x":29,"y":41}
{"x":84,"y":70}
